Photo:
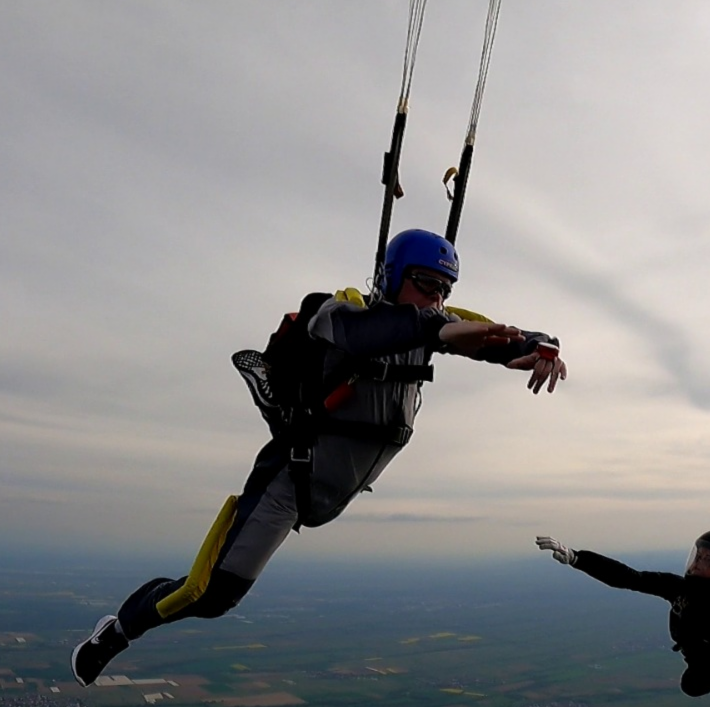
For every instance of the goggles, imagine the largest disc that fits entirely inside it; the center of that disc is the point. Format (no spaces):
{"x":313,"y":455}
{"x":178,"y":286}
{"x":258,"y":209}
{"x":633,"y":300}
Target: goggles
{"x":430,"y":285}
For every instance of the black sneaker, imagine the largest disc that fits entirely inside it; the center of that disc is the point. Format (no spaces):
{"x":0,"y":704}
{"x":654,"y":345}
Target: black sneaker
{"x":92,"y":655}
{"x":253,"y":369}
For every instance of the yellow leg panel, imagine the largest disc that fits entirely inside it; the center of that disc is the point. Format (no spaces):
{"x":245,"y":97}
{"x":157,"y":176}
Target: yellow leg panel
{"x":196,"y":582}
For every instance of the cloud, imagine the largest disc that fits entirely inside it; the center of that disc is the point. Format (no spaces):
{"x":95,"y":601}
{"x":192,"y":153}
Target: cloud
{"x":409,"y":518}
{"x":176,"y":176}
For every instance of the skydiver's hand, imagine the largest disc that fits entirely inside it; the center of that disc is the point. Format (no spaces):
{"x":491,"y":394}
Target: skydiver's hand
{"x":559,"y":551}
{"x":467,"y":337}
{"x":544,"y":363}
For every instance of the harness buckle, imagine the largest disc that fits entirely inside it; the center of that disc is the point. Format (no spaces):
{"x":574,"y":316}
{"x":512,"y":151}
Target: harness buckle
{"x":381,"y":371}
{"x":402,"y":437}
{"x":301,"y":456}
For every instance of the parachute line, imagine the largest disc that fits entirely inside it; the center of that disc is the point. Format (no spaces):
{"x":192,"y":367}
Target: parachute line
{"x":491,"y":25}
{"x":390,"y":169}
{"x":414,"y":30}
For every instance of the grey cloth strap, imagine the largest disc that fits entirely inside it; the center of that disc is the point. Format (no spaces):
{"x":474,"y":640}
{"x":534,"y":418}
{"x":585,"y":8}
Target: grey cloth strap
{"x":302,"y":434}
{"x":395,"y":372}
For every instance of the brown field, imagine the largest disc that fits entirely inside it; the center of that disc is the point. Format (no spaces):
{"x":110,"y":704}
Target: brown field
{"x":187,"y":680}
{"x":7,"y":639}
{"x":271,"y":699}
{"x":514,"y":686}
{"x":190,"y":687}
{"x":257,"y":685}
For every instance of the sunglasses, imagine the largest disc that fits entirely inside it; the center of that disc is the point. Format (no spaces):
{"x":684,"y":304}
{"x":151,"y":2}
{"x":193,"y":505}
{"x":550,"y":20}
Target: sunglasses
{"x":430,"y":285}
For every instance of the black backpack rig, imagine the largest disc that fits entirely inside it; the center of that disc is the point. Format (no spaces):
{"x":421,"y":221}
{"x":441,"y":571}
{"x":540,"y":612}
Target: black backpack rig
{"x":287,"y":380}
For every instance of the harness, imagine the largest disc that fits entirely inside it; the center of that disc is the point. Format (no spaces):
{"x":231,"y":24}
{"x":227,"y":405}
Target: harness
{"x":303,"y":398}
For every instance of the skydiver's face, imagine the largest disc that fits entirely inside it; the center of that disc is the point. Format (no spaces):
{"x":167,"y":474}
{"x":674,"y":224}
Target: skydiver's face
{"x":700,"y":566}
{"x":424,"y":287}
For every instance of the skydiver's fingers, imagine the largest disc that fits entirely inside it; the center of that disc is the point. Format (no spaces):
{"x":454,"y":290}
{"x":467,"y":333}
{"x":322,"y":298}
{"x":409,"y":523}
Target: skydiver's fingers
{"x":502,"y":333}
{"x":541,"y":372}
{"x":562,"y":554}
{"x":524,"y":363}
{"x":469,"y":336}
{"x":554,"y":369}
{"x":492,"y":340}
{"x":542,"y":368}
{"x":545,"y":542}
{"x":455,"y":332}
{"x":559,"y":372}
{"x":514,"y":334}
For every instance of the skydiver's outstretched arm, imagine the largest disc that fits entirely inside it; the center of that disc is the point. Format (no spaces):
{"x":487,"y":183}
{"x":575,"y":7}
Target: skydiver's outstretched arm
{"x":528,"y":351}
{"x":387,"y":328}
{"x":379,"y":330}
{"x":612,"y":572}
{"x":516,"y":349}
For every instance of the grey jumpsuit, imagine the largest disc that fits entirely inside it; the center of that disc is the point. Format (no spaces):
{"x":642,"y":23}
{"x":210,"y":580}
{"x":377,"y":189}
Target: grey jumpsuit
{"x":342,"y":466}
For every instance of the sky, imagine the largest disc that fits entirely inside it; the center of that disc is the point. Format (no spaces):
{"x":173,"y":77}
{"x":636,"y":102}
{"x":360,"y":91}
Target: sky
{"x":177,"y":175}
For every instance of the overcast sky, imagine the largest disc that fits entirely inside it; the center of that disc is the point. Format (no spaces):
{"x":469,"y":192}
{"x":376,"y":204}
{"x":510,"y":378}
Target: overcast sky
{"x":176,"y":175}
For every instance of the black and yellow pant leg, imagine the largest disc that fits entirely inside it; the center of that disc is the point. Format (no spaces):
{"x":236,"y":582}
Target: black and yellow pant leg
{"x":235,"y":551}
{"x":206,"y":591}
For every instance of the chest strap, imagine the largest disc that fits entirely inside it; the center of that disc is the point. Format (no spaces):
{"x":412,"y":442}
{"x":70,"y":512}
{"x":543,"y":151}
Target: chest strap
{"x":301,"y":433}
{"x":394,"y":372}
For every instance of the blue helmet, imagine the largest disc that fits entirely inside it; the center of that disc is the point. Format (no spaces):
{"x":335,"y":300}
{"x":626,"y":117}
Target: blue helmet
{"x":417,"y":247}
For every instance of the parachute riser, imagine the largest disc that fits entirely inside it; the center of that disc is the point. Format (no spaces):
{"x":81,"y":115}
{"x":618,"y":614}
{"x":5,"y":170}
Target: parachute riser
{"x":461,"y":178}
{"x":460,"y":182}
{"x":393,"y":190}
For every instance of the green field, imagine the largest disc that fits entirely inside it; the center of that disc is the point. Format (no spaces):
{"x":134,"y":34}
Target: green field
{"x":360,"y":638}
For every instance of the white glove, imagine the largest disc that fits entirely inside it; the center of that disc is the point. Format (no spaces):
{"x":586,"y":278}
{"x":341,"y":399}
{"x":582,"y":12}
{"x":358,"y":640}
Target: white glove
{"x":559,"y":551}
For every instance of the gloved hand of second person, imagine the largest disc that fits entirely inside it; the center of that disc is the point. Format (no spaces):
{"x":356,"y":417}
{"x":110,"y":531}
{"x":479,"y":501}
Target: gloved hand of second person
{"x":559,"y":551}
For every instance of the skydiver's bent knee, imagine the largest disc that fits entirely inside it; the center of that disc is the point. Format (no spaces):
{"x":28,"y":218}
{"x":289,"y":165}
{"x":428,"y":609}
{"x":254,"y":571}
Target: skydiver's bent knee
{"x":223,"y":593}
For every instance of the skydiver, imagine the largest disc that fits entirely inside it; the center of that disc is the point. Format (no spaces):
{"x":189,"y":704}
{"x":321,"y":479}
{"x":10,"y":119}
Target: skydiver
{"x":309,"y":482}
{"x":689,"y":620}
